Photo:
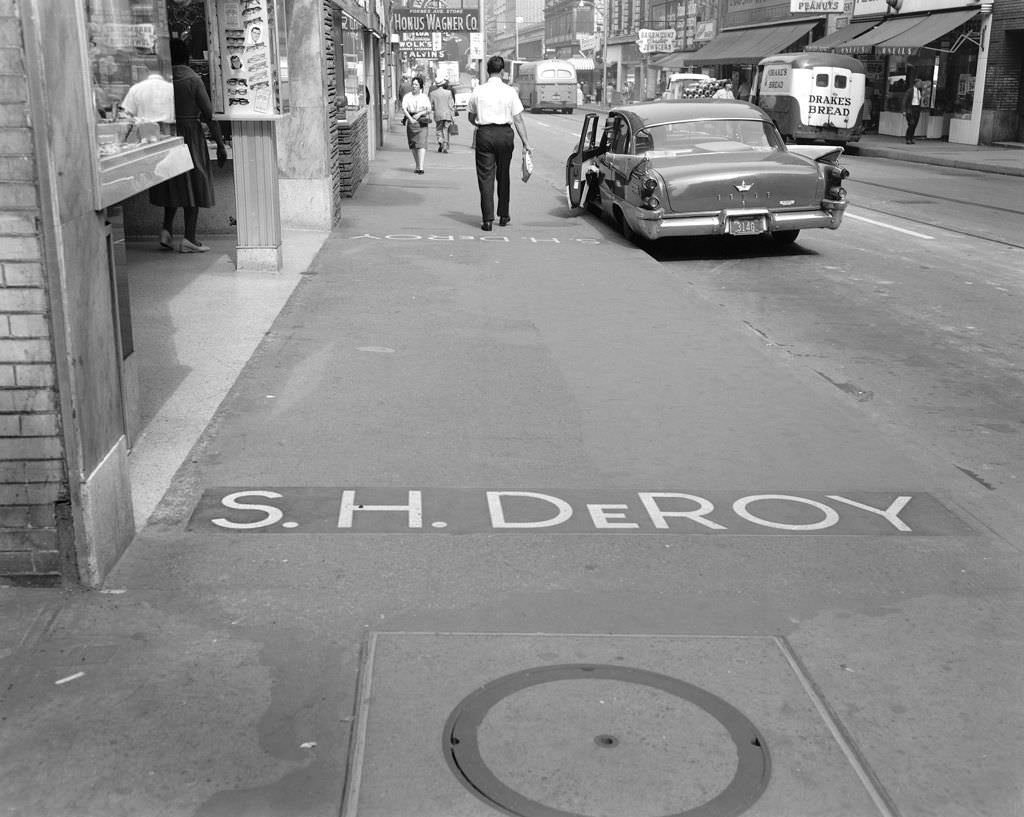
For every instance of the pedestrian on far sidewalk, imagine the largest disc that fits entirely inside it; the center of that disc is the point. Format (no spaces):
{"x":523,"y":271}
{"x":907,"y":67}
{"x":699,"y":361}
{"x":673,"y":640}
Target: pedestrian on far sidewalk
{"x":912,"y":108}
{"x":442,"y":100}
{"x":494,"y":108}
{"x":416,"y":105}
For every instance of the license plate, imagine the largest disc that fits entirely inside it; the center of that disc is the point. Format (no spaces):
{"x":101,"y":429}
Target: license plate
{"x":746,"y":226}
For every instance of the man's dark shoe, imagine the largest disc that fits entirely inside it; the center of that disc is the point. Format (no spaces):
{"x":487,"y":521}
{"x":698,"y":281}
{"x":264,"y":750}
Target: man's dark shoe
{"x":487,"y":226}
{"x":504,"y":221}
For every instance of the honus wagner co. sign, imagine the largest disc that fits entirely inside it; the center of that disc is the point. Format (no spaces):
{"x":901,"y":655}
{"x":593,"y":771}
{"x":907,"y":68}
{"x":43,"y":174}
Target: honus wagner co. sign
{"x":411,"y":21}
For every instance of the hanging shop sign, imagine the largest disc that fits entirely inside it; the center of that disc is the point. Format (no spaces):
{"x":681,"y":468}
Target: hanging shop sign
{"x":420,"y":41}
{"x":248,"y":58}
{"x":418,"y":20}
{"x":877,"y":8}
{"x":705,"y":32}
{"x":652,"y":41}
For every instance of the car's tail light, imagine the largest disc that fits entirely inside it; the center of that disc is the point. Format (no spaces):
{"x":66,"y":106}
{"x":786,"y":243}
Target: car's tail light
{"x":835,"y":176}
{"x":648,"y":187}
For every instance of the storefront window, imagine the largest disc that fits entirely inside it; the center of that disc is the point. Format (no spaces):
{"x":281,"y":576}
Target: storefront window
{"x":354,"y":56}
{"x":128,"y":44}
{"x":947,"y":69}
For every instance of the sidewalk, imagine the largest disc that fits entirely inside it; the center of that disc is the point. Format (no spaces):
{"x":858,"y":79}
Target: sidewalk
{"x":1008,"y":160}
{"x":216,"y":679}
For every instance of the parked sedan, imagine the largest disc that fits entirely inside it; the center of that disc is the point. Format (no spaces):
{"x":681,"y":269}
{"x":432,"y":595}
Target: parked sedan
{"x":703,"y":167}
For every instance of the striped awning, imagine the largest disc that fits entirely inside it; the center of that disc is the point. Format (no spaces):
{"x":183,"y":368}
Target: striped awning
{"x":748,"y":46}
{"x":841,"y":36}
{"x":582,"y":63}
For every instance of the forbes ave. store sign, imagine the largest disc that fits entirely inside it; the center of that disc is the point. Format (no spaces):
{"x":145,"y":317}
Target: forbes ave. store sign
{"x":321,"y":510}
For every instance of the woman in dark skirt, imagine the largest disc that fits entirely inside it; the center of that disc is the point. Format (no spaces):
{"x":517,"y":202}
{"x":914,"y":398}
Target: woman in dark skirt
{"x":416,"y":104}
{"x":193,"y":189}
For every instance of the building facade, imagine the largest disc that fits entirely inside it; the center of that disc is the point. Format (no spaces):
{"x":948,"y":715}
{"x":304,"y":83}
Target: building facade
{"x":70,"y":167}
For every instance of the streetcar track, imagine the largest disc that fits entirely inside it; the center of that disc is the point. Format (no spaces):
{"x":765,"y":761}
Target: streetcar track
{"x":942,"y":198}
{"x":936,"y":226}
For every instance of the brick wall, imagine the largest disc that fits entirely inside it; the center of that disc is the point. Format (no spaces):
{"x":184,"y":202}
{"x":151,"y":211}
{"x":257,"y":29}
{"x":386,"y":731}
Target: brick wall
{"x":350,"y":150}
{"x":1002,"y":84}
{"x":32,"y":480}
{"x":354,"y":154}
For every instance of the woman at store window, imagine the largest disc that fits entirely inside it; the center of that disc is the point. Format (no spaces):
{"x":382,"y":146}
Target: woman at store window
{"x":193,"y":189}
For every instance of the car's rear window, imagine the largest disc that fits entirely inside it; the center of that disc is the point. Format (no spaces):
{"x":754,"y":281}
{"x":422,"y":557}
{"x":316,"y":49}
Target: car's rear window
{"x":709,"y":136}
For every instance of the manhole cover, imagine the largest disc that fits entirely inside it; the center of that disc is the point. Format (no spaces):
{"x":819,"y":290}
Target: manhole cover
{"x":570,"y":740}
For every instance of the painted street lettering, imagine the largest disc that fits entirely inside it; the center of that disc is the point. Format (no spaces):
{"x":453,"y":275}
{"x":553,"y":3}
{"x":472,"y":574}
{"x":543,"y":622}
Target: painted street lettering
{"x":397,"y":510}
{"x":452,"y":237}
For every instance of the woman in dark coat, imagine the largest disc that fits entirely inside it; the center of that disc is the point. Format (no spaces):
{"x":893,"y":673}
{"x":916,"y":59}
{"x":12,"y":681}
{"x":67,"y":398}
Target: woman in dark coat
{"x":193,"y":189}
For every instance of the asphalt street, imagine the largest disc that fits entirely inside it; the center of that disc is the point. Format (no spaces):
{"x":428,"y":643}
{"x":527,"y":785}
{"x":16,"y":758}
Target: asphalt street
{"x":458,"y":456}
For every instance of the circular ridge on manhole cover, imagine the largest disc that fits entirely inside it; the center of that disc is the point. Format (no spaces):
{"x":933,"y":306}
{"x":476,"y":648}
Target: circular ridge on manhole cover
{"x":462,"y":749}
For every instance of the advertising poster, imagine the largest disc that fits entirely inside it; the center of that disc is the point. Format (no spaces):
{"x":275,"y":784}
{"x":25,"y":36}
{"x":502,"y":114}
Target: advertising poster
{"x":248,"y":85}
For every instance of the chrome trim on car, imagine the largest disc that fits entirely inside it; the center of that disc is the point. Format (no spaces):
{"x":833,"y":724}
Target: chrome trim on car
{"x":655,"y":224}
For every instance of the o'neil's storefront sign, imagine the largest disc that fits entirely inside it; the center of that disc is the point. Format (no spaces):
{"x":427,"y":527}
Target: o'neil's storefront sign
{"x":322,"y":510}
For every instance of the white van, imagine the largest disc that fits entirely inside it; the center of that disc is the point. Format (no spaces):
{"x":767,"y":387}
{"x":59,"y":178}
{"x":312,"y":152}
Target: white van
{"x":678,"y":84}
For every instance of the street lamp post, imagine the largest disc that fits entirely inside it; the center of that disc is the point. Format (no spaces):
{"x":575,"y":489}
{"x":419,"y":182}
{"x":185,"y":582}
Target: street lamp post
{"x":604,"y":10}
{"x":604,"y":50}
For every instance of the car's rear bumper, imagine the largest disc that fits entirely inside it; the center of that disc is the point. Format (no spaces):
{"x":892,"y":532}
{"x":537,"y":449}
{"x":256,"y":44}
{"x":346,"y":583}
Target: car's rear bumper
{"x":654,"y":224}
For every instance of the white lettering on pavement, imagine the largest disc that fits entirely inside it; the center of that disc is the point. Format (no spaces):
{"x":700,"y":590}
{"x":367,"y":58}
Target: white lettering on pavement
{"x":394,"y":510}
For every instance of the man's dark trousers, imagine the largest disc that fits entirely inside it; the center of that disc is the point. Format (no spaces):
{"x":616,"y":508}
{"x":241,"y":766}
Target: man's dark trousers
{"x":913,"y":114}
{"x":494,"y":147}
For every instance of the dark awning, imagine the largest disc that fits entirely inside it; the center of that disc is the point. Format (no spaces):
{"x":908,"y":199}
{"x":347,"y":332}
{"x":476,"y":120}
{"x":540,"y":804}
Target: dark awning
{"x":748,"y":46}
{"x":882,"y":32}
{"x":677,"y":59}
{"x":925,"y":31}
{"x":840,"y":36}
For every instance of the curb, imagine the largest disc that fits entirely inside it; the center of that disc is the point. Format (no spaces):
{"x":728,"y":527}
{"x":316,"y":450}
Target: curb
{"x":960,"y":164}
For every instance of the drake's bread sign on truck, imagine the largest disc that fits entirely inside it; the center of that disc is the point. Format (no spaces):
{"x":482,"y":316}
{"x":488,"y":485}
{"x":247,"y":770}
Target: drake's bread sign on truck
{"x":812,"y":95}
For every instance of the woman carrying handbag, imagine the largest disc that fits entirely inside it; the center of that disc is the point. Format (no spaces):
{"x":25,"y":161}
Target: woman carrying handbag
{"x":416,"y":105}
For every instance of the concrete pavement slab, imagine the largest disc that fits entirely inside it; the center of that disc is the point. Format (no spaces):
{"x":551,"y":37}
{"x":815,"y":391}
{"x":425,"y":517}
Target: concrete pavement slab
{"x":558,"y":725}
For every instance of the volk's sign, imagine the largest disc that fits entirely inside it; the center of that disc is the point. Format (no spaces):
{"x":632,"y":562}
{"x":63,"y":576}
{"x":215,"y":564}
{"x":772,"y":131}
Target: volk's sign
{"x":449,"y":511}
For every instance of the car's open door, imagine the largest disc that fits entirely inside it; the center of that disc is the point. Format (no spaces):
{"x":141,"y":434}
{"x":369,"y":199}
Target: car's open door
{"x":586,"y":149}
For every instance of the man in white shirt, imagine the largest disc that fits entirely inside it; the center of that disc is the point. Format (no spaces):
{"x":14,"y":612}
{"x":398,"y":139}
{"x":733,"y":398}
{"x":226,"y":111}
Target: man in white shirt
{"x":151,"y":99}
{"x":494,"y":108}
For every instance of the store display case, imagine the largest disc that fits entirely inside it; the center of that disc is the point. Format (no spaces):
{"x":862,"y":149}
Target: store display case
{"x":248,"y":48}
{"x":128,"y":43}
